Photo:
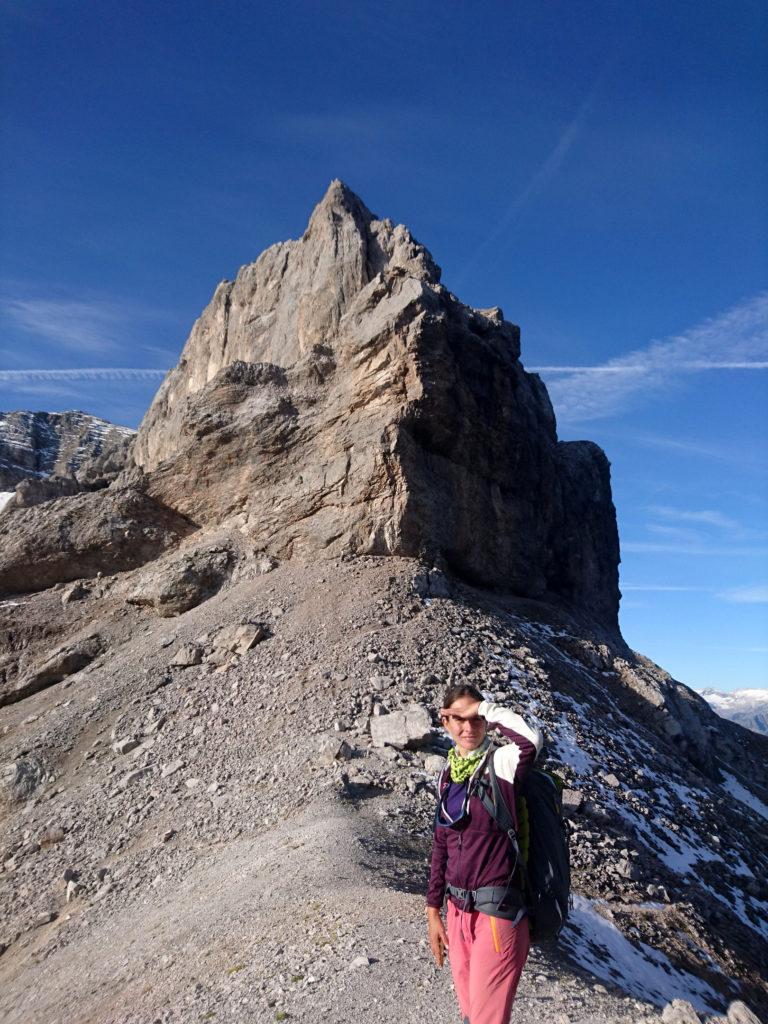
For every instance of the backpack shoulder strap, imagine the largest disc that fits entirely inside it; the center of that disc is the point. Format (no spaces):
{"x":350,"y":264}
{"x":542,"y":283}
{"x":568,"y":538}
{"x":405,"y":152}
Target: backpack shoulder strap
{"x":488,"y":792}
{"x":502,"y":814}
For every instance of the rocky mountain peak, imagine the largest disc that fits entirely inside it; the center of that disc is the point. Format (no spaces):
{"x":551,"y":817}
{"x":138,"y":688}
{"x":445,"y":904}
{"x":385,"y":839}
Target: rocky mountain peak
{"x":342,"y":222}
{"x":336,"y":399}
{"x":295,"y":296}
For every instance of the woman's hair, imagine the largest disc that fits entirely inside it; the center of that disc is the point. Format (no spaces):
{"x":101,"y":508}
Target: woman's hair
{"x":462,"y":690}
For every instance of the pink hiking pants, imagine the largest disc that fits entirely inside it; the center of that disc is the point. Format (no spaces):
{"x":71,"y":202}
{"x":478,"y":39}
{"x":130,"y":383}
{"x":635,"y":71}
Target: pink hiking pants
{"x":487,"y":956}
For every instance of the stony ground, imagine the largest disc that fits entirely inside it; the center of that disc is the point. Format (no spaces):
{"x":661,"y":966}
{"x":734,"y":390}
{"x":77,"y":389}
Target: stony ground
{"x":309,"y":925}
{"x":205,"y":832}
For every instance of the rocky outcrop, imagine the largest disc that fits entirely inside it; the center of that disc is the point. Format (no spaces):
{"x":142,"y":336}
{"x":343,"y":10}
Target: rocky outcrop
{"x":71,"y":445}
{"x":62,"y":663}
{"x":336,"y":398}
{"x":78,"y":537}
{"x":180,"y":582}
{"x":36,"y":490}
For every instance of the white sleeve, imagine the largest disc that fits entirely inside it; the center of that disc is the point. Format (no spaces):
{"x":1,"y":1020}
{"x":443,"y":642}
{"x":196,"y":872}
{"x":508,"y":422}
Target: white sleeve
{"x":521,"y":735}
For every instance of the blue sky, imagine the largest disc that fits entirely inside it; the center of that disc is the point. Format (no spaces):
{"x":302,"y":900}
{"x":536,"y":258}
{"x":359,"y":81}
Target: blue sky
{"x":597,"y":169}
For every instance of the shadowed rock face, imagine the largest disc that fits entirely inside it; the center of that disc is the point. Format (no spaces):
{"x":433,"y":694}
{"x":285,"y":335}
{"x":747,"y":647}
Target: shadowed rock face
{"x":337,"y":398}
{"x":71,"y":538}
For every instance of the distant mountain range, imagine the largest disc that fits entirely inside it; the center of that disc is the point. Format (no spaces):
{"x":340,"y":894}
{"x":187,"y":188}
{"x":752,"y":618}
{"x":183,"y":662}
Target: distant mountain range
{"x":39,"y":446}
{"x":746,"y":707}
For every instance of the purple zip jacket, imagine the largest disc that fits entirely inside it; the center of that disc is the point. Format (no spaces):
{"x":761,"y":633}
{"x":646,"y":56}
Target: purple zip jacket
{"x":476,"y":852}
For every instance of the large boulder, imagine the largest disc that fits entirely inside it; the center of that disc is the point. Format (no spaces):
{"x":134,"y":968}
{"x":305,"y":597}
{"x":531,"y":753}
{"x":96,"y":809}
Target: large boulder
{"x":180,"y":582}
{"x":77,"y":537}
{"x":61,"y":663}
{"x":408,"y":728}
{"x":19,"y":779}
{"x":37,"y":490}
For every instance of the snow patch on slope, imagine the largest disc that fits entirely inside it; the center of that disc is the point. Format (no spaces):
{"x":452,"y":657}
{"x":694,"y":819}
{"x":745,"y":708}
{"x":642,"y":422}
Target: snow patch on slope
{"x":743,"y":795}
{"x":643,"y":972}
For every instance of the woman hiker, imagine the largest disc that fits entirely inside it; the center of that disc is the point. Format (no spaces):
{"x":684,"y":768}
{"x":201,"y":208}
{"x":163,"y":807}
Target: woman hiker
{"x":473,"y":861}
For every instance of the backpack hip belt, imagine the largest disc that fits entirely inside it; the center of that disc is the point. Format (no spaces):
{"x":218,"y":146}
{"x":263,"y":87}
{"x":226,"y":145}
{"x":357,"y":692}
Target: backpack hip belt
{"x":496,"y":900}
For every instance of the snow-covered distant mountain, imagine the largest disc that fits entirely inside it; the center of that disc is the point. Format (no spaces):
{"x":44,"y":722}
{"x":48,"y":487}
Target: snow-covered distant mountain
{"x":39,"y":445}
{"x":747,"y":707}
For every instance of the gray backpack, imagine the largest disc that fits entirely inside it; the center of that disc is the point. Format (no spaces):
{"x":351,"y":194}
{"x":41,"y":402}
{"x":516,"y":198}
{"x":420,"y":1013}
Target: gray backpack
{"x":540,"y":845}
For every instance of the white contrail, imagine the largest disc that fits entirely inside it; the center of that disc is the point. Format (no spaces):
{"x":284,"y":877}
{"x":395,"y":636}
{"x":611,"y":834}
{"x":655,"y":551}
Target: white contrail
{"x":544,"y":173}
{"x":735,"y":340}
{"x":96,"y":373}
{"x":692,"y":366}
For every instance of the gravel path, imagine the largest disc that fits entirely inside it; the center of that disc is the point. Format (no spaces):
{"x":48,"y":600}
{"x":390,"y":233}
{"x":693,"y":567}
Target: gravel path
{"x":311,"y":922}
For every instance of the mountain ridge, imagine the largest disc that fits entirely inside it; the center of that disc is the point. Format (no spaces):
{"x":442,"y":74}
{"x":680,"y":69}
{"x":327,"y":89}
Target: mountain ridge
{"x":50,"y":454}
{"x":748,"y":707}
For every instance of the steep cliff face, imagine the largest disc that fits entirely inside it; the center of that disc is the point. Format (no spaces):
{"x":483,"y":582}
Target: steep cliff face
{"x":37,"y":445}
{"x":336,"y":398}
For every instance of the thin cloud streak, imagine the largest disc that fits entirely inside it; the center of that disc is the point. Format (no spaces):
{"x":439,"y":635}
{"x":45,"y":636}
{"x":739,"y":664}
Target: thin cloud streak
{"x":735,"y":340}
{"x":708,"y":517}
{"x":542,"y":176}
{"x":22,"y":377}
{"x":662,"y":588}
{"x":650,"y":547}
{"x":692,"y":366}
{"x":722,"y":453}
{"x":757,"y":594}
{"x":694,"y":525}
{"x":86,"y":326}
{"x":82,"y":325}
{"x":50,"y":390}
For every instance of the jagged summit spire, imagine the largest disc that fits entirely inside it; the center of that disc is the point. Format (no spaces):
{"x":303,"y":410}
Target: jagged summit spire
{"x":339,"y":194}
{"x":342,"y":220}
{"x":339,"y":204}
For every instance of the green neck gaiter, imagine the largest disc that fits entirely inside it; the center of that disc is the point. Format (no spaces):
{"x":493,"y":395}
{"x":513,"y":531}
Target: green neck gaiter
{"x":462,"y":767}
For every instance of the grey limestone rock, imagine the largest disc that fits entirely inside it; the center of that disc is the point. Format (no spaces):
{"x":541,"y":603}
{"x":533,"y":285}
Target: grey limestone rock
{"x":76,"y":592}
{"x":180,"y":582}
{"x":63,"y":662}
{"x":679,"y":1011}
{"x":337,"y":399}
{"x":332,"y":749}
{"x":125,"y":746}
{"x":133,"y":777}
{"x":240,"y":639}
{"x":77,"y":537}
{"x":187,"y":656}
{"x":434,"y":764}
{"x":740,"y":1013}
{"x":407,"y":728}
{"x":35,"y":491}
{"x":572,"y":802}
{"x":19,"y":780}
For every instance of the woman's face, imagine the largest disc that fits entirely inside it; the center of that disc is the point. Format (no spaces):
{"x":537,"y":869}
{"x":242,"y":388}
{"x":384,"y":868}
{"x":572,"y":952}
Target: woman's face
{"x":466,"y":732}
